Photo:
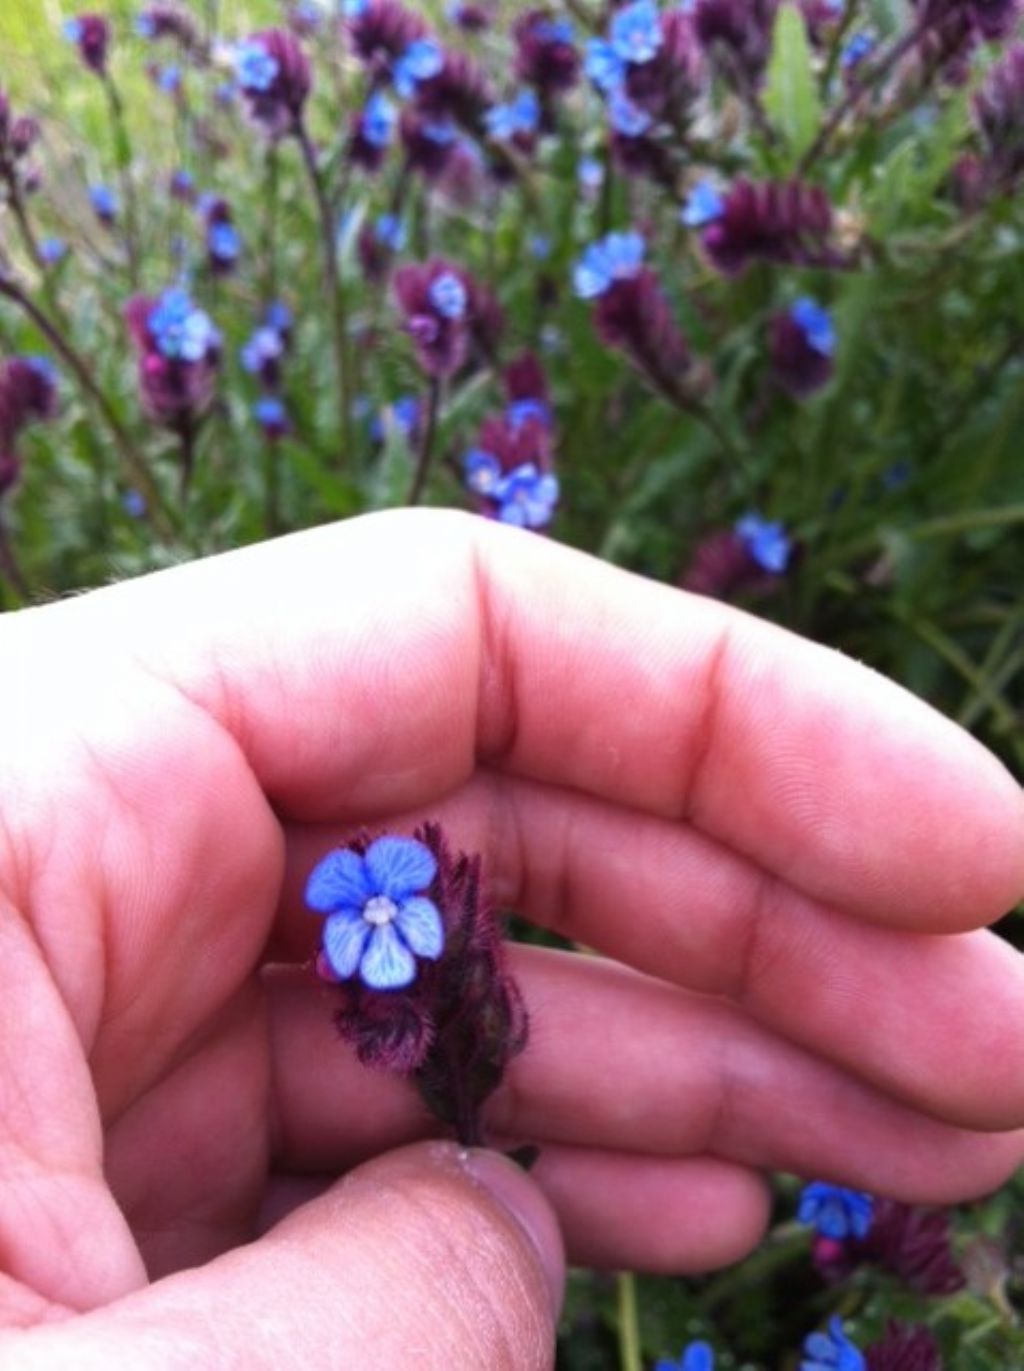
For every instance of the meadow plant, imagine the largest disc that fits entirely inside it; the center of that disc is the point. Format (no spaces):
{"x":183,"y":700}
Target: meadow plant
{"x":724,"y":291}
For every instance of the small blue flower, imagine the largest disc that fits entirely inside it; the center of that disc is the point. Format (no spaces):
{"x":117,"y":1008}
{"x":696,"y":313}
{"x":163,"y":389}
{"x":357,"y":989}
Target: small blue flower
{"x":603,"y":65}
{"x":406,"y":411}
{"x":378,"y":919}
{"x":831,"y":1351}
{"x":482,"y":472}
{"x":52,"y":251}
{"x":270,"y":413}
{"x":224,"y":242}
{"x":134,"y":503}
{"x":181,"y":331}
{"x":815,"y":322}
{"x":540,"y":247}
{"x":635,"y":32}
{"x":448,"y":296}
{"x":627,"y":117}
{"x":703,"y":206}
{"x":440,"y":131}
{"x":519,"y":411}
{"x":527,"y":497}
{"x":552,"y":31}
{"x":697,"y":1356}
{"x":225,"y":93}
{"x":182,"y":183}
{"x":169,"y":79}
{"x":265,"y":345}
{"x":44,"y":367}
{"x":308,"y":13}
{"x":590,"y":173}
{"x":278,"y":316}
{"x":255,"y":68}
{"x":104,"y":202}
{"x":390,"y":232}
{"x":421,"y":60}
{"x":379,"y":120}
{"x":617,"y":257}
{"x":72,"y":30}
{"x":521,"y":115}
{"x":766,"y":542}
{"x":145,"y":27}
{"x":834,"y":1211}
{"x":352,"y":9}
{"x":858,"y":47}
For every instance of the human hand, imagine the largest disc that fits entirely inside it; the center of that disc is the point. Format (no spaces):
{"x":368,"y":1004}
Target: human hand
{"x":782,"y":853}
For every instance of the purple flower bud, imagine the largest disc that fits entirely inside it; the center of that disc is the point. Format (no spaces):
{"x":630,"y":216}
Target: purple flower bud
{"x":274,"y":78}
{"x":270,"y":413}
{"x":999,"y":111}
{"x":443,"y":308}
{"x":911,"y":1242}
{"x":381,"y":31}
{"x":223,"y":241}
{"x":163,"y":20}
{"x":91,"y":35}
{"x":723,"y":566}
{"x":179,"y":353}
{"x":28,"y":394}
{"x":546,"y":55}
{"x":905,"y":1347}
{"x":773,"y":221}
{"x":803,"y":344}
{"x":458,"y":92}
{"x":737,"y":36}
{"x":634,"y":317}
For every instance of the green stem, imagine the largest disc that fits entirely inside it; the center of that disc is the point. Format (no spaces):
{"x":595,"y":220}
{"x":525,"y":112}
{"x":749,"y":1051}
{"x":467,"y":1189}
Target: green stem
{"x":124,"y":168}
{"x":10,"y":567}
{"x":630,"y":1356}
{"x":335,"y":294}
{"x":419,"y":479}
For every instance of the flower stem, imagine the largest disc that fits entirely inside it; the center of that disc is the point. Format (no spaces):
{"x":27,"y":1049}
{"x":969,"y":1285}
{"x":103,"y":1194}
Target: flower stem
{"x":270,"y":225}
{"x":271,"y":488}
{"x":419,"y":479}
{"x":332,"y":283}
{"x":157,"y":511}
{"x":124,"y":167}
{"x":630,"y":1357}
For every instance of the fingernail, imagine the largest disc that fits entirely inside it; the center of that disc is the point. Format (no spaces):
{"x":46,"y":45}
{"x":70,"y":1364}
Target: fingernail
{"x":521,"y":1198}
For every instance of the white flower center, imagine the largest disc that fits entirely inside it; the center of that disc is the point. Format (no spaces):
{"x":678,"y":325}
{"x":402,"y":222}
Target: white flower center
{"x":380,"y":910}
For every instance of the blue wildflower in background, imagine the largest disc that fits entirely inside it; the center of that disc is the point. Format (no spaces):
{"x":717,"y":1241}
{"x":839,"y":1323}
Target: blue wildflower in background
{"x":390,"y":232}
{"x":519,"y":412}
{"x":858,"y":47}
{"x":627,"y":117}
{"x":224,"y":242}
{"x":378,"y":918}
{"x":169,"y":79}
{"x":834,"y":1211}
{"x":525,"y":496}
{"x":815,"y":322}
{"x":104,"y":203}
{"x":180,"y":330}
{"x":617,"y":257}
{"x":52,"y":251}
{"x":703,"y":206}
{"x":697,"y":1356}
{"x":520,"y":116}
{"x":766,"y":542}
{"x":255,"y":67}
{"x":448,"y":296}
{"x":634,"y":38}
{"x":270,"y":413}
{"x":266,"y":346}
{"x":590,"y":173}
{"x":405,"y":414}
{"x":421,"y":60}
{"x":832,"y":1351}
{"x":379,"y":120}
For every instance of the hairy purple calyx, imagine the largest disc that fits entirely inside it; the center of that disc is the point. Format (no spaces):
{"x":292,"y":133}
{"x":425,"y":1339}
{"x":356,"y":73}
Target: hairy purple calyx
{"x":457,"y":1026}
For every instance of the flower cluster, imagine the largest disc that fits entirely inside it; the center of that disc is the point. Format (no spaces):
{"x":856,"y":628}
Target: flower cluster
{"x":28,"y":394}
{"x":912,"y":1243}
{"x":90,"y":34}
{"x":446,"y":312}
{"x":509,"y":469}
{"x":179,"y":351}
{"x":274,"y":78}
{"x":263,"y":357}
{"x":748,"y":558}
{"x":786,"y":222}
{"x":415,"y":949}
{"x":546,"y":54}
{"x":223,"y":240}
{"x":834,"y":1211}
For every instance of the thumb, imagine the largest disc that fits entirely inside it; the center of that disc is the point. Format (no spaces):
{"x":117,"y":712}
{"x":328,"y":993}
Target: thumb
{"x":453,"y":1256}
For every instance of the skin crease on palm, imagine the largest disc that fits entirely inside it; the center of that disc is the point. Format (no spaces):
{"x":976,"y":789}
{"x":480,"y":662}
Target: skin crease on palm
{"x":783,"y":860}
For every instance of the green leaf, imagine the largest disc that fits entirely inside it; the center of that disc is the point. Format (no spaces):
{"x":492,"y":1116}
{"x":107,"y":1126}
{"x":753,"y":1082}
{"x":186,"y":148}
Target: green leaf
{"x":791,"y":94}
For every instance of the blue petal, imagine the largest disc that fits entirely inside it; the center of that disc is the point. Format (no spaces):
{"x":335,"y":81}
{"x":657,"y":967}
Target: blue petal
{"x":387,"y":963}
{"x":698,"y":1357}
{"x":344,"y":941}
{"x":399,"y":867}
{"x":421,"y":928}
{"x":339,"y":881}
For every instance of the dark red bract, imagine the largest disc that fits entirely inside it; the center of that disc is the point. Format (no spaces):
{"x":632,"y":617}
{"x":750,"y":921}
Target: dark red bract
{"x":774,"y":221}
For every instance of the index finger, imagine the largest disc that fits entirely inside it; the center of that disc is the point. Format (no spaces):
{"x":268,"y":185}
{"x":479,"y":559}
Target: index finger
{"x":371,"y":667}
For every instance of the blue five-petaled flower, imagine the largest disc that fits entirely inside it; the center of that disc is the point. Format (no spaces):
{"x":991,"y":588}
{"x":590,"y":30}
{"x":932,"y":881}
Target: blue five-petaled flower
{"x":697,"y":1356}
{"x":617,"y":257}
{"x":421,"y":60}
{"x":831,"y":1351}
{"x":766,"y":541}
{"x":815,"y":323}
{"x":378,"y":918}
{"x":255,"y":67}
{"x":703,"y":206}
{"x":835,"y":1211}
{"x":448,"y":295}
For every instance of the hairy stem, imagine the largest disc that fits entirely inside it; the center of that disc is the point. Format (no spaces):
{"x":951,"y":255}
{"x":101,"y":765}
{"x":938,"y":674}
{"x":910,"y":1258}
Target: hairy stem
{"x":630,"y":1354}
{"x":124,"y":168}
{"x":419,"y":479}
{"x":333,"y":286}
